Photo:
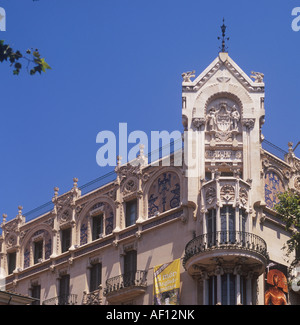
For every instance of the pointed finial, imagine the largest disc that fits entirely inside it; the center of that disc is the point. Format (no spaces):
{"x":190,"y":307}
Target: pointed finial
{"x":4,"y":216}
{"x":142,"y":146}
{"x":56,"y":189}
{"x":75,"y":182}
{"x":119,"y":159}
{"x":223,"y":48}
{"x":20,"y":208}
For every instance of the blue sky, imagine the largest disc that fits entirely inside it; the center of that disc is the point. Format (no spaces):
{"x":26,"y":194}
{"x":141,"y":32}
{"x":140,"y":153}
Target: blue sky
{"x":119,"y":61}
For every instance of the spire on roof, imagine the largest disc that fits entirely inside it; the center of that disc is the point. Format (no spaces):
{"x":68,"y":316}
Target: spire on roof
{"x":223,"y":29}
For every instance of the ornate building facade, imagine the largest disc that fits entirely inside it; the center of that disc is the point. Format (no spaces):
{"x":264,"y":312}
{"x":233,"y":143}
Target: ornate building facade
{"x":214,"y":213}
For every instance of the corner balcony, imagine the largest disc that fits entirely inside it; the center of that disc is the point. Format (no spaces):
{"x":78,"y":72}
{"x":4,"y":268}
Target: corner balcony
{"x":229,"y":247}
{"x":125,"y":286}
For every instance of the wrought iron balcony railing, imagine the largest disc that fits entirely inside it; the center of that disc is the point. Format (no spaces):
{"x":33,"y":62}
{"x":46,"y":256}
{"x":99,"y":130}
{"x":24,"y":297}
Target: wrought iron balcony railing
{"x":93,"y":298}
{"x":70,"y":299}
{"x":225,"y":240}
{"x":137,"y":278}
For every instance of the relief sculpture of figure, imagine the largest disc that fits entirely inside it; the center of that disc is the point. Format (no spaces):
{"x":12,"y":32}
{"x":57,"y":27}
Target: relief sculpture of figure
{"x":275,"y":294}
{"x":212,"y":122}
{"x":235,"y":116}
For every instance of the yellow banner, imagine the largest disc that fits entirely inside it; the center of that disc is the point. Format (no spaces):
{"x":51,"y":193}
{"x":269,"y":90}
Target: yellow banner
{"x":167,"y":283}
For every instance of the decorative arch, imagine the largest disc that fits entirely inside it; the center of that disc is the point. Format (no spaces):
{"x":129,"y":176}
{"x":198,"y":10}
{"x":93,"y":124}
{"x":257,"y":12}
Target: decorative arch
{"x":42,"y":231}
{"x":101,"y":205}
{"x":234,"y":92}
{"x":274,"y":185}
{"x":163,"y":192}
{"x":221,"y":95}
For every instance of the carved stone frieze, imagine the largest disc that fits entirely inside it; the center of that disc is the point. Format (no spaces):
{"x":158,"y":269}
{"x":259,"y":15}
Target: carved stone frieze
{"x":223,"y":154}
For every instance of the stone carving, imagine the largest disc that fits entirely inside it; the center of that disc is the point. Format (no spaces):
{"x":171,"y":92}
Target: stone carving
{"x":11,"y":241}
{"x":223,"y":121}
{"x":257,"y":76}
{"x":227,"y":192}
{"x":129,"y":187}
{"x":65,"y":216}
{"x":186,"y":76}
{"x":248,"y":122}
{"x":223,"y":154}
{"x":210,"y":195}
{"x":297,"y":183}
{"x":243,"y":196}
{"x":197,"y":122}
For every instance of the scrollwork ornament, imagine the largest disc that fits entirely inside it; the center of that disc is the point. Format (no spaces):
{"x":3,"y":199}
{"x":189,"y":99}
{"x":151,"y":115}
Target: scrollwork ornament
{"x":297,"y":183}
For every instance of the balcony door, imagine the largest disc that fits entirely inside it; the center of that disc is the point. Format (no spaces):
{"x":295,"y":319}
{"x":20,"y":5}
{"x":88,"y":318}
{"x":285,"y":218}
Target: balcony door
{"x":227,"y":215}
{"x":64,"y":289}
{"x":130,"y":268}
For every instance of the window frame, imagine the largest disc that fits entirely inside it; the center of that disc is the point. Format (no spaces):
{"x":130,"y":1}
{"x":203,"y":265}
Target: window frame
{"x":64,"y":240}
{"x":97,"y":234}
{"x":11,"y":263}
{"x":40,"y":250}
{"x":95,"y":276}
{"x":131,"y":216}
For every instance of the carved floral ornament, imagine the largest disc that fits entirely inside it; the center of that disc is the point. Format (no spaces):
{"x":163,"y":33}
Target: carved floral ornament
{"x":227,"y":192}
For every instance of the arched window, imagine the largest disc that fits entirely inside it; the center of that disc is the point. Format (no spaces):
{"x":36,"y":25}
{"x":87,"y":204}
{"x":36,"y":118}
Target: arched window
{"x":273,"y":186}
{"x":38,"y":248}
{"x":100,"y":220}
{"x":164,"y":193}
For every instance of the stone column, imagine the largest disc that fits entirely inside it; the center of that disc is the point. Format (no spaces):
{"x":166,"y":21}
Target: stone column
{"x":218,"y":272}
{"x":249,"y":288}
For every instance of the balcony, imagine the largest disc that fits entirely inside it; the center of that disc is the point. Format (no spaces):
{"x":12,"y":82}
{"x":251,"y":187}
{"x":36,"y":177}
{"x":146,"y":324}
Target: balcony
{"x":70,"y":299}
{"x":93,"y":298}
{"x":125,"y":286}
{"x":228,"y":247}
